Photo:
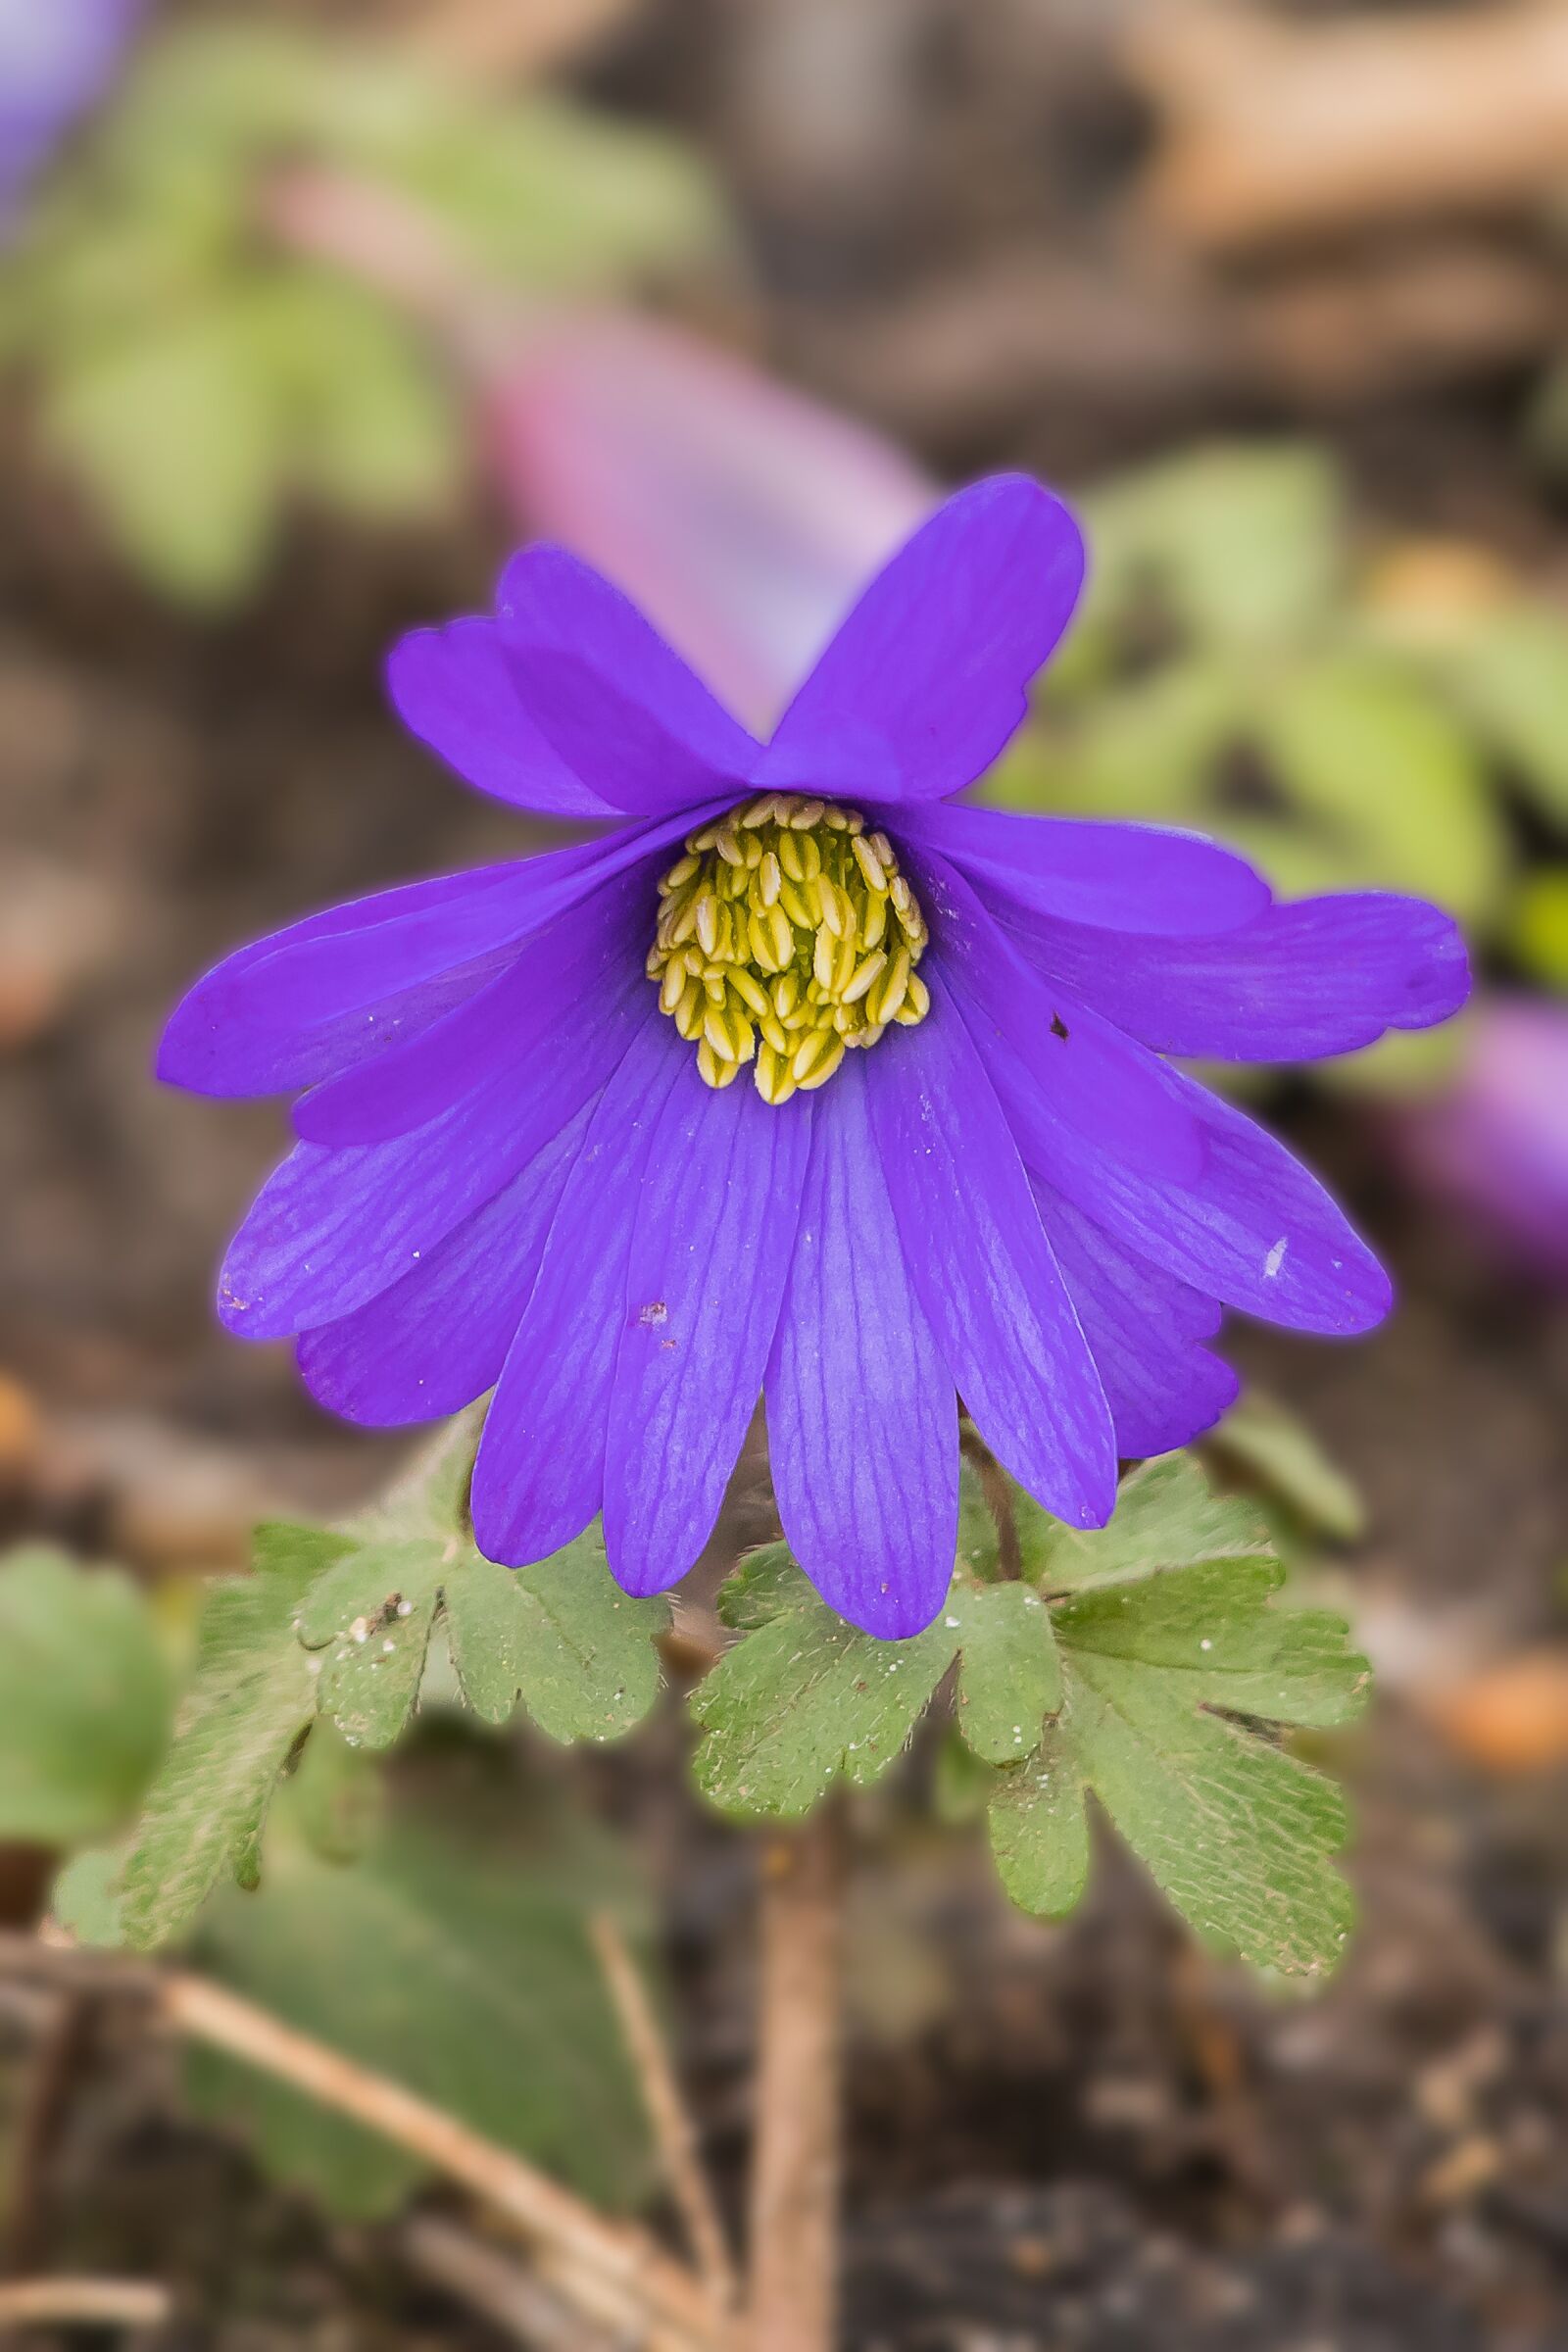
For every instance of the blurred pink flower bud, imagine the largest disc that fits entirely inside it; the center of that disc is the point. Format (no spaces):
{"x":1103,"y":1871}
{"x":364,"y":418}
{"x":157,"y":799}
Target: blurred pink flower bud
{"x":1495,"y":1143}
{"x":739,"y":515}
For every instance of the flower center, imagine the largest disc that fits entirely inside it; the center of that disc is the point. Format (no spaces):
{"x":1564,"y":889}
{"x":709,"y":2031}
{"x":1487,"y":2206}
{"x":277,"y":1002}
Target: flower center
{"x":786,"y":935}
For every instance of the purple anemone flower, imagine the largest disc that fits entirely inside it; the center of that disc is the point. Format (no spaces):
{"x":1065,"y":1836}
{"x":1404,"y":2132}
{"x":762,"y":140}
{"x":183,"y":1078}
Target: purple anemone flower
{"x":801,"y":1079}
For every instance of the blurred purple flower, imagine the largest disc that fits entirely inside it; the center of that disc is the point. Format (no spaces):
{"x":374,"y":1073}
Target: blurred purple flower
{"x":742,"y":515}
{"x":57,"y":59}
{"x":586,"y":1127}
{"x":1495,"y":1143}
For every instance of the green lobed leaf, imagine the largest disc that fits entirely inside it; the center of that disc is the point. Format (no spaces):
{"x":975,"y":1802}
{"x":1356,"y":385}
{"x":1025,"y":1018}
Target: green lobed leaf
{"x":84,"y":1698}
{"x":804,"y":1698}
{"x":1158,"y":1663}
{"x":369,"y":1616}
{"x":251,"y":1695}
{"x":1009,"y":1675}
{"x":562,"y":1635}
{"x":1167,"y":1516}
{"x":455,"y":1961}
{"x":1040,"y":1830}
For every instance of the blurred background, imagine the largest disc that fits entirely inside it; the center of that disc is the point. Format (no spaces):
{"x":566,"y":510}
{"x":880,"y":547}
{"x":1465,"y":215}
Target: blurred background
{"x":308,"y":314}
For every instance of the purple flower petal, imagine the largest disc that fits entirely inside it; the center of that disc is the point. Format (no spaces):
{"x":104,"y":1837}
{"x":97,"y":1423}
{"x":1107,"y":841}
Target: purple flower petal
{"x":1322,"y":976}
{"x":982,"y":1267}
{"x":340,"y":987}
{"x":710,"y":1254}
{"x":1090,"y":870}
{"x":1254,"y":1229}
{"x":861,"y":1422}
{"x":1163,"y":1386}
{"x":457,"y":689}
{"x":1091,"y":1081}
{"x":332,"y":1228}
{"x":926,"y":678}
{"x":540,"y":1473}
{"x":437,"y":1339}
{"x":619,"y":709}
{"x":591,"y":955}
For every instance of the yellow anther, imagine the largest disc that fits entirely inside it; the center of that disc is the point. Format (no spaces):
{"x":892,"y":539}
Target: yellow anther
{"x":865,"y":977}
{"x":824,"y":1068}
{"x":785,"y":936}
{"x":869,"y":863}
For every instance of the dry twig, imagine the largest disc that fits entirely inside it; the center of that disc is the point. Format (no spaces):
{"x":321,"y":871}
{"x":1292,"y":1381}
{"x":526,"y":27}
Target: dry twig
{"x":85,"y":2303}
{"x":674,"y":2131}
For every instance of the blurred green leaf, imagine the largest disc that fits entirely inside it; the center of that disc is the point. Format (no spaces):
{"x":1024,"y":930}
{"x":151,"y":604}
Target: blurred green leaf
{"x":337,"y":1796}
{"x":193,"y":369}
{"x":85,"y":1897}
{"x":1244,"y":545}
{"x":177,"y":435}
{"x":1277,"y":1449}
{"x":84,"y":1698}
{"x":453,"y":1957}
{"x":1510,"y":670}
{"x":1384,"y":785}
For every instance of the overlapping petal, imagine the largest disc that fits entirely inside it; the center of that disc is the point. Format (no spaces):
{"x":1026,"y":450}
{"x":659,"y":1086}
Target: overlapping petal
{"x":1094,"y":1086}
{"x":540,"y":1473}
{"x":616,"y":705}
{"x":927,"y":677}
{"x":710,"y":1254}
{"x":861,"y":1425}
{"x":983,"y":1270}
{"x":585,"y":958}
{"x":339,"y":988}
{"x":1254,"y":1229}
{"x":1139,"y":878}
{"x":1145,"y":1331}
{"x":1322,"y":976}
{"x":331,"y":1228}
{"x":438,"y":1338}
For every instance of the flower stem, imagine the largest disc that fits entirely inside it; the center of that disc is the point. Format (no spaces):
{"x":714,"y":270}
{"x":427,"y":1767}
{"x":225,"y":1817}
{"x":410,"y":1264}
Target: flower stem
{"x":796,"y":2171}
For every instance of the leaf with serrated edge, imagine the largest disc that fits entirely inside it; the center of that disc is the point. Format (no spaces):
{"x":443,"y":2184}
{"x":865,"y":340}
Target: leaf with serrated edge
{"x":251,"y":1695}
{"x":563,"y":1633}
{"x":1166,"y":1515}
{"x":370,"y":1617}
{"x":804,"y":1697}
{"x":1238,"y":1834}
{"x":1010,"y":1677}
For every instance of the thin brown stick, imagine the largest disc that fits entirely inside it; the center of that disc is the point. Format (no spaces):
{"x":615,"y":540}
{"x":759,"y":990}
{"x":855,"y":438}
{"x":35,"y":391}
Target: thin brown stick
{"x":491,"y":2281}
{"x":85,"y":2303}
{"x":616,"y":2273}
{"x":674,"y":2131}
{"x":796,"y":2166}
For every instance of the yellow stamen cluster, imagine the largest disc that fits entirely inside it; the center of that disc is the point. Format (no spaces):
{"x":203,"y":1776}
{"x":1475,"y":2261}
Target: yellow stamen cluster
{"x":786,"y":935}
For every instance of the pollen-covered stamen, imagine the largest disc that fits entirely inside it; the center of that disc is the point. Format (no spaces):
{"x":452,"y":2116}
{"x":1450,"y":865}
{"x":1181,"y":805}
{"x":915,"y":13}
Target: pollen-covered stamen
{"x":787,"y":935}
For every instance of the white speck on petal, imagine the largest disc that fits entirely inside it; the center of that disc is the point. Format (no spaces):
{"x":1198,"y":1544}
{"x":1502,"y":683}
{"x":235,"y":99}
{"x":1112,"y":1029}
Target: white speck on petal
{"x":1275,"y":1259}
